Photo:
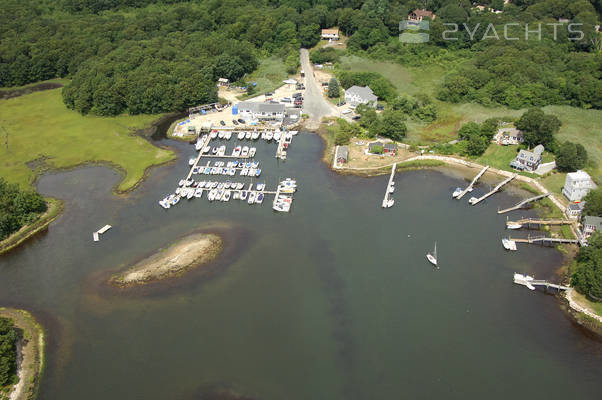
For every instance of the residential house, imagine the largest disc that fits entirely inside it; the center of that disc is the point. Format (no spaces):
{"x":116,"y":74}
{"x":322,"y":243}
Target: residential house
{"x":390,"y":148}
{"x":329,"y":34}
{"x":507,"y":136}
{"x":223,"y":82}
{"x":574,"y":210}
{"x":528,"y":160}
{"x":343,"y":154}
{"x":261,"y":111}
{"x":375,"y":148}
{"x":357,"y":95}
{"x":577,"y":185}
{"x":418,"y":15}
{"x":591,"y":225}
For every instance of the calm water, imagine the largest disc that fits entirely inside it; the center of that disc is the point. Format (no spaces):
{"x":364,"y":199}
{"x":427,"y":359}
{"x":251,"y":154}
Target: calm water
{"x":332,"y":301}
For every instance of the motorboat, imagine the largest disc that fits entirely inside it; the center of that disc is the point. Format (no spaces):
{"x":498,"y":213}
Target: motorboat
{"x":260,"y":186}
{"x":524,"y":280}
{"x":198,"y":145}
{"x":433,"y":257}
{"x":286,"y":189}
{"x":269,"y":135}
{"x":214,"y":151}
{"x":206,"y":149}
{"x":175,"y":200}
{"x":245,"y":151}
{"x":456,"y":192}
{"x":181,"y":183}
{"x":191,"y":161}
{"x":259,"y":198}
{"x":240,"y":185}
{"x":236,"y":151}
{"x":221,"y":151}
{"x":281,"y":207}
{"x":255,"y":164}
{"x":195,"y":170}
{"x":227,"y":185}
{"x":198,"y":193}
{"x":392,"y":187}
{"x":252,"y":172}
{"x":513,"y":225}
{"x":509,"y":244}
{"x":243,"y":195}
{"x":252,"y":152}
{"x":227,"y":195}
{"x":251,"y":198}
{"x":255,"y":135}
{"x":211,"y":195}
{"x":227,"y":135}
{"x":293,"y":133}
{"x":472,"y":200}
{"x":244,"y":171}
{"x":248,"y":135}
{"x":277,"y":135}
{"x":201,"y":184}
{"x":241,"y":135}
{"x":220,"y":135}
{"x":213,"y":134}
{"x":263,"y":135}
{"x":190,"y":194}
{"x":232,"y":172}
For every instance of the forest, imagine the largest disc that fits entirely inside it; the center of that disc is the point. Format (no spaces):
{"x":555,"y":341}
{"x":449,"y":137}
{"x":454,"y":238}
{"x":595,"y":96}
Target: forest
{"x":17,"y":208}
{"x":8,"y":342}
{"x":150,"y":56}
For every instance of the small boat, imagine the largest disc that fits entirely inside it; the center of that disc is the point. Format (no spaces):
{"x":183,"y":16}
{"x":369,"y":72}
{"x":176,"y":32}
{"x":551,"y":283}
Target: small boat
{"x":220,"y":135}
{"x":259,"y":198}
{"x":281,"y":207}
{"x":524,"y":280}
{"x":211,"y":195}
{"x":221,"y":151}
{"x":206,"y":149}
{"x":509,"y":244}
{"x":235,"y":195}
{"x":286,"y":189}
{"x":226,"y":196}
{"x":456,"y":192}
{"x":277,"y":135}
{"x":227,"y":135}
{"x":164,"y":203}
{"x":201,"y":184}
{"x":175,"y":200}
{"x":181,"y":183}
{"x":251,"y":198}
{"x":213,"y":134}
{"x":190,"y":194}
{"x":392,"y":187}
{"x":260,"y":186}
{"x":433,"y":257}
{"x":240,"y":185}
{"x":269,"y":135}
{"x":198,"y":145}
{"x":252,"y":172}
{"x":198,"y":193}
{"x":513,"y":225}
{"x":236,"y":151}
{"x":248,"y":135}
{"x":241,"y":135}
{"x":243,"y":195}
{"x":244,"y":152}
{"x":191,"y":161}
{"x":472,"y":200}
{"x":244,"y":171}
{"x":255,"y":135}
{"x":293,"y":132}
{"x":252,"y":152}
{"x":214,"y":151}
{"x":227,"y":185}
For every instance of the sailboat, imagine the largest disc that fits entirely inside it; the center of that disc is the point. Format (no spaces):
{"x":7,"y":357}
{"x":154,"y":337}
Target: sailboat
{"x":433,"y":257}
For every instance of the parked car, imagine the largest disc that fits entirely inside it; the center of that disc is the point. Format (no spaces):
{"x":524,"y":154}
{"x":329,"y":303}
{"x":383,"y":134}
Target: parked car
{"x":242,"y":121}
{"x":341,"y":103}
{"x":235,"y":122}
{"x":268,"y":94}
{"x":286,"y":100}
{"x":346,"y":111}
{"x":356,"y":117}
{"x":380,"y":107}
{"x":222,"y":123}
{"x":300,"y":87}
{"x":298,"y":102}
{"x":324,"y":83}
{"x":297,"y":95}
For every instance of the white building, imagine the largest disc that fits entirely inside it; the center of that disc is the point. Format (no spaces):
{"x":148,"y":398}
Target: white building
{"x":577,"y":185}
{"x":253,"y":110}
{"x":330,"y":34}
{"x":357,"y":95}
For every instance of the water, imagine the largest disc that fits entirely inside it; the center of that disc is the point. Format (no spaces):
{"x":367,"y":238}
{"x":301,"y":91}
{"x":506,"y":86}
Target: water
{"x":332,"y":301}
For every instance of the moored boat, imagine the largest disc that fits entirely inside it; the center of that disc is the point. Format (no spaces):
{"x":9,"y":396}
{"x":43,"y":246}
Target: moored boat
{"x":509,"y":244}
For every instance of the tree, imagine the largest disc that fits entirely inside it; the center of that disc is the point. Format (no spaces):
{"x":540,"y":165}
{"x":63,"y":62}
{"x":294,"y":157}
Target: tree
{"x":333,"y":88}
{"x":469,"y":130}
{"x":477,"y":145}
{"x":569,"y":159}
{"x":593,"y":203}
{"x":309,"y":35}
{"x":538,"y":128}
{"x":8,"y":351}
{"x":587,"y":275}
{"x":391,"y":124}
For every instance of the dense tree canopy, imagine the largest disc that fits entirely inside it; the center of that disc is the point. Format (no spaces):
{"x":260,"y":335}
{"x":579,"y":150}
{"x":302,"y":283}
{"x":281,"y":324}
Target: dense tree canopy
{"x":539,"y":128}
{"x":587,"y":275}
{"x":8,"y":352}
{"x":570,"y":157}
{"x":17,"y":208}
{"x":593,"y":203}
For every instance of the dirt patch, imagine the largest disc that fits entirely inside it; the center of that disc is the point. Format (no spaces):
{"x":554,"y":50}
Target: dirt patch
{"x":190,"y":252}
{"x":30,"y":360}
{"x":9,"y":94}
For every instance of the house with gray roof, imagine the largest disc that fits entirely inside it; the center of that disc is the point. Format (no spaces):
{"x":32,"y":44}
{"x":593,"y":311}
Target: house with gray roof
{"x":356,"y":95}
{"x":573,"y":210}
{"x":528,"y":160}
{"x":342,"y":154}
{"x":261,"y":111}
{"x":591,"y":225}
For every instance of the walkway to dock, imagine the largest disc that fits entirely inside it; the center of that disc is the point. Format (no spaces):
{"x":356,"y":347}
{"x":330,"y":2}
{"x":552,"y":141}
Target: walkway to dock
{"x":474,"y":200}
{"x":198,"y":158}
{"x":529,"y":282}
{"x":522,"y":203}
{"x":543,"y":240}
{"x":540,"y":221}
{"x":390,"y":184}
{"x":280,"y":151}
{"x":469,"y":187}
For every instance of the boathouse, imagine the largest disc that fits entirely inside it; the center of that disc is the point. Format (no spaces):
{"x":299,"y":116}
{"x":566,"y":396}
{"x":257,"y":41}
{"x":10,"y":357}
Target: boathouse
{"x":574,"y":210}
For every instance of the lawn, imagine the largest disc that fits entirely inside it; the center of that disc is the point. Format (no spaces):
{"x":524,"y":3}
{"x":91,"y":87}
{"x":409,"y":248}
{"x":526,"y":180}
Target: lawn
{"x":554,"y":182}
{"x":43,"y":133}
{"x":269,"y":76}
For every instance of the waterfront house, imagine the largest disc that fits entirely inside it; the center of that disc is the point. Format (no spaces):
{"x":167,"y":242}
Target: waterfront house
{"x":261,"y":111}
{"x":223,"y":82}
{"x":577,"y":185}
{"x":418,"y":15}
{"x":508,"y":136}
{"x":528,"y":160}
{"x":574,"y":210}
{"x":376,"y":148}
{"x":357,"y":95}
{"x":330,"y":34}
{"x":343,"y":154}
{"x":591,"y":225}
{"x":390,"y":148}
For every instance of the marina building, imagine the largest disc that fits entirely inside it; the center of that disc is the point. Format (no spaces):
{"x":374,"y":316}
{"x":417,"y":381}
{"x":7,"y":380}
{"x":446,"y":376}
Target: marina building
{"x":260,"y":111}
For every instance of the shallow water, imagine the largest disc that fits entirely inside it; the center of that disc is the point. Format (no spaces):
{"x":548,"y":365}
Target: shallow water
{"x":332,"y":301}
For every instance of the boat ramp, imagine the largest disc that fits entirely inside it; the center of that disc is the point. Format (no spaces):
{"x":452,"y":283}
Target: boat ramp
{"x":388,"y":201}
{"x":522,"y":203}
{"x":469,"y":187}
{"x":473,"y":200}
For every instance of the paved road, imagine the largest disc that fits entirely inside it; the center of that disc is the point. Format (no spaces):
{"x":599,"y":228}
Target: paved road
{"x":314,"y":103}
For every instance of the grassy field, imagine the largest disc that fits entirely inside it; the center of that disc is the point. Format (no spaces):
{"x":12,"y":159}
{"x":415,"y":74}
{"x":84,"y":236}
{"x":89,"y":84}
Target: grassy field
{"x":578,"y":125}
{"x":43,"y":133}
{"x":269,"y":75}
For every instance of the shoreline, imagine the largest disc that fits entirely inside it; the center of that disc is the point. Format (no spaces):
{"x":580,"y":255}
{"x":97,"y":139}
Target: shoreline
{"x":30,"y":361}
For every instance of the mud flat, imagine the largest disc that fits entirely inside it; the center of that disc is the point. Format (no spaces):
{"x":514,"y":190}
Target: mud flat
{"x":190,"y":252}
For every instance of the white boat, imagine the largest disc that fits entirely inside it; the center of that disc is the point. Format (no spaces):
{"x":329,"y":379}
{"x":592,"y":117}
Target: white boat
{"x":245,"y":151}
{"x":248,"y":135}
{"x":226,"y":196}
{"x":524,"y":280}
{"x":227,"y":185}
{"x":221,"y":151}
{"x":472,"y":200}
{"x":175,"y":200}
{"x":236,"y":152}
{"x":259,"y":198}
{"x":255,"y":135}
{"x":240,"y":185}
{"x":258,"y":172}
{"x":277,"y":135}
{"x":213,"y":134}
{"x":211,"y":195}
{"x":509,"y":244}
{"x":244,"y":171}
{"x":191,"y":161}
{"x":252,"y":171}
{"x":286,"y":189}
{"x":164,"y":203}
{"x":190,"y":193}
{"x":227,"y":135}
{"x":251,"y":198}
{"x":198,"y":193}
{"x":241,"y":135}
{"x":260,"y":186}
{"x":392,"y":187}
{"x":269,"y":135}
{"x":456,"y":192}
{"x":198,"y":145}
{"x":513,"y":225}
{"x":243,"y":195}
{"x":433,"y":257}
{"x":252,"y":152}
{"x":281,"y":206}
{"x":293,"y":132}
{"x":181,"y":183}
{"x":390,"y":203}
{"x":220,"y":135}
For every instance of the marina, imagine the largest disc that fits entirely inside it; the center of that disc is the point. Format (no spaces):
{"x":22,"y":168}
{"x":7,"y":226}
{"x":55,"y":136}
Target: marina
{"x":522,"y":203}
{"x":474,"y":200}
{"x":387,"y":200}
{"x":458,"y":194}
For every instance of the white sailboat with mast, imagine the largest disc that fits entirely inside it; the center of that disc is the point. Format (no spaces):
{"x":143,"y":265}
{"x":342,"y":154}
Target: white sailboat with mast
{"x":433,"y":257}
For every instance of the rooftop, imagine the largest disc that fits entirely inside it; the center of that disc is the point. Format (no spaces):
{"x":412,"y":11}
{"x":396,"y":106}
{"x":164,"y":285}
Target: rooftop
{"x":593,"y":221}
{"x":578,"y":176}
{"x":422,"y":13}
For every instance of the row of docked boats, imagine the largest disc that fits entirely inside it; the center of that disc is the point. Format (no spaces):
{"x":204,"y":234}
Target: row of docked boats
{"x":284,"y":199}
{"x":222,"y":191}
{"x":245,"y":168}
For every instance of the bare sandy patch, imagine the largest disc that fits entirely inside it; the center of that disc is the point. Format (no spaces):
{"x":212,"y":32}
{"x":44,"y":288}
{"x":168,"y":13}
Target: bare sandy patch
{"x":190,"y":252}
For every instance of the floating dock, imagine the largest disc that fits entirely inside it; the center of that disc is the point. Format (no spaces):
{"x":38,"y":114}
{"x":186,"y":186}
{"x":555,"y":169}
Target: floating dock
{"x":531,"y":283}
{"x":280,"y":151}
{"x":543,"y":240}
{"x":96,"y":235}
{"x":522,"y":203}
{"x":388,"y":201}
{"x":469,"y":187}
{"x":473,"y":200}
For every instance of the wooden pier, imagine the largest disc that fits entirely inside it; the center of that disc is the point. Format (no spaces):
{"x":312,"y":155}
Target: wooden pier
{"x":386,"y":201}
{"x":96,"y":235}
{"x":474,"y":200}
{"x":543,"y":240}
{"x":522,"y":203}
{"x":540,"y":221}
{"x":531,"y":283}
{"x":476,"y":178}
{"x":280,"y":151}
